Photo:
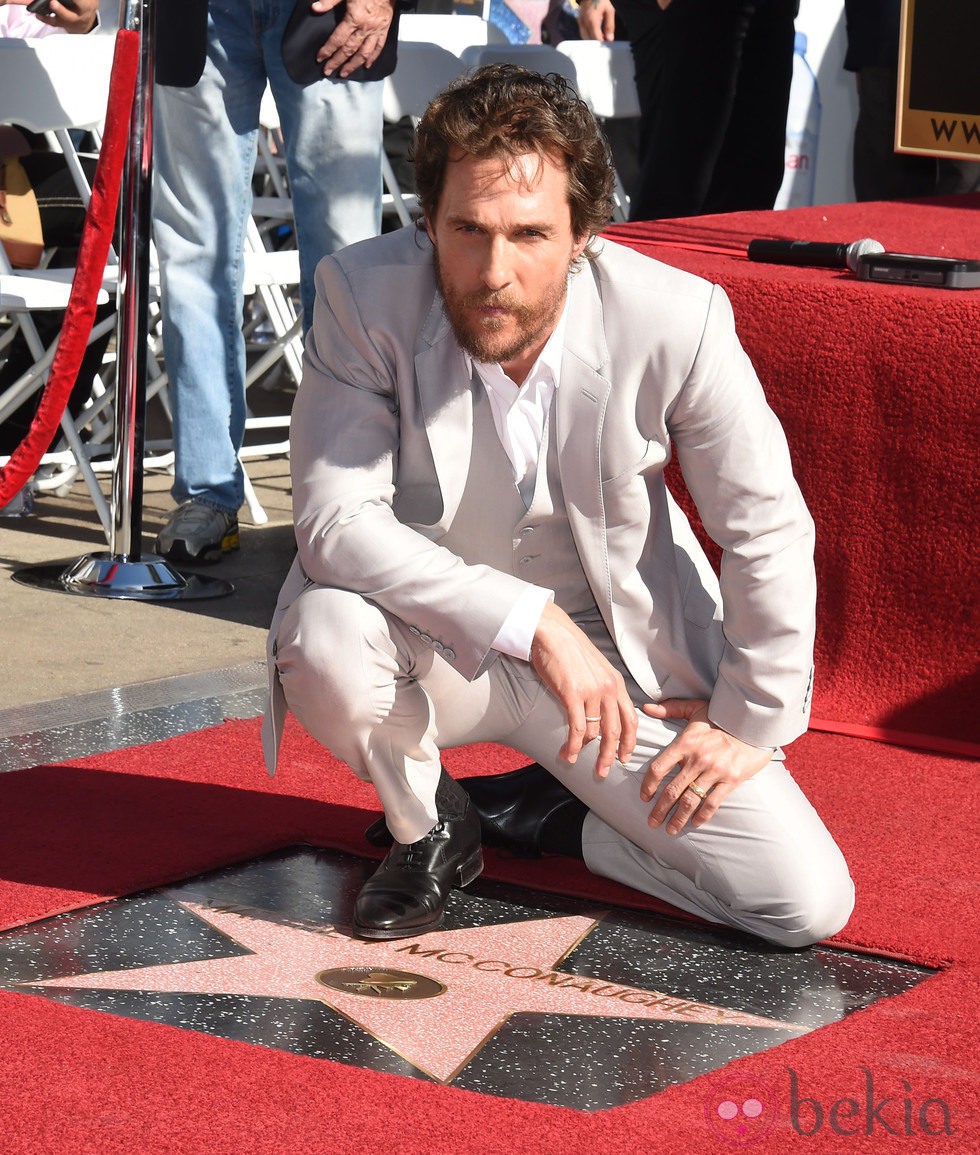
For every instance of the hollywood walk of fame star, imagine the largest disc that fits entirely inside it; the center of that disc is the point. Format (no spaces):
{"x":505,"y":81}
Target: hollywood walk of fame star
{"x":488,"y":973}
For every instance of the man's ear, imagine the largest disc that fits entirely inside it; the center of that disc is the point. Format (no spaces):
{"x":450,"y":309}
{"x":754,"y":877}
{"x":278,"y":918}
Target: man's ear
{"x":429,"y":230}
{"x":580,"y":246}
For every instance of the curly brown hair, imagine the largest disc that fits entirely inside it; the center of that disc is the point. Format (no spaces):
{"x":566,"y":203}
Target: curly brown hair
{"x":505,"y":111}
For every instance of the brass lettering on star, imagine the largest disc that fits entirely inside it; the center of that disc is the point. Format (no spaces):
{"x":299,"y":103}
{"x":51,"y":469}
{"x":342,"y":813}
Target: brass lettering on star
{"x":380,"y":984}
{"x":701,"y":1012}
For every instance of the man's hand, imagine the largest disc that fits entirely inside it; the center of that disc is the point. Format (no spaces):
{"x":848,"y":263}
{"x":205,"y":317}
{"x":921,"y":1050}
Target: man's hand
{"x":597,"y":20}
{"x":74,"y":16}
{"x":712,"y":763}
{"x":357,"y":40}
{"x":589,"y":688}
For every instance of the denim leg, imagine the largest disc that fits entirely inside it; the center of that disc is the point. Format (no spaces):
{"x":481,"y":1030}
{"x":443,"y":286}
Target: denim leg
{"x":205,"y":145}
{"x":333,"y":135}
{"x":204,"y":150}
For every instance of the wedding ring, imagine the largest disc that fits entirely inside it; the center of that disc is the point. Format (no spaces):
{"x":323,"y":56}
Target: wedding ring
{"x":593,"y":719}
{"x":696,"y":789}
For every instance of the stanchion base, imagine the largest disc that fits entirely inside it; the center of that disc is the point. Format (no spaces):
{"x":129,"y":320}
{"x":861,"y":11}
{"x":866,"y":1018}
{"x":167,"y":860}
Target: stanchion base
{"x":103,"y":575}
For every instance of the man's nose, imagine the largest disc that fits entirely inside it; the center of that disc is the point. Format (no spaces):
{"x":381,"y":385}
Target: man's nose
{"x":497,"y":266}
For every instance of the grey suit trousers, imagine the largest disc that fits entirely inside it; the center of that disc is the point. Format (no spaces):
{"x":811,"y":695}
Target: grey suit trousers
{"x":381,"y":700}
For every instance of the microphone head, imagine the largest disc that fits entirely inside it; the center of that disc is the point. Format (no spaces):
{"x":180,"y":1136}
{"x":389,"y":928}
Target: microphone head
{"x":859,"y":248}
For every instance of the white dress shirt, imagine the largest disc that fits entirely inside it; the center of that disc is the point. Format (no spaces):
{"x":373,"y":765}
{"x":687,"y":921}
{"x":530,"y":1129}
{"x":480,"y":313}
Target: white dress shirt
{"x":519,"y":415}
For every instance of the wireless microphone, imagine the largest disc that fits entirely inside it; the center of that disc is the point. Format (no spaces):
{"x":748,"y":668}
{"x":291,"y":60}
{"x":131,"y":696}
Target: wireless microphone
{"x":816,"y":254}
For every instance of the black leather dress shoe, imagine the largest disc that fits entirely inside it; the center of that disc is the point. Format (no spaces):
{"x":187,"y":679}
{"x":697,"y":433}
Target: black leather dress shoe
{"x":513,"y":810}
{"x":408,"y":892}
{"x":515,"y":807}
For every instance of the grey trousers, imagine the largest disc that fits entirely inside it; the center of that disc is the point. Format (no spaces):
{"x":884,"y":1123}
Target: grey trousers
{"x":383,"y":702}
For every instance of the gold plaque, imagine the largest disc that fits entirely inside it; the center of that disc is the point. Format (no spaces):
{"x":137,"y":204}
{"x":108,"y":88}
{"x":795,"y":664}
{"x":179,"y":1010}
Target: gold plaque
{"x":380,"y":984}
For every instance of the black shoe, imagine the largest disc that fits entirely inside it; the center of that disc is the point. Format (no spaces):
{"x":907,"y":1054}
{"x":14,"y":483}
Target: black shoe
{"x":513,"y":810}
{"x":408,"y":892}
{"x":515,"y":807}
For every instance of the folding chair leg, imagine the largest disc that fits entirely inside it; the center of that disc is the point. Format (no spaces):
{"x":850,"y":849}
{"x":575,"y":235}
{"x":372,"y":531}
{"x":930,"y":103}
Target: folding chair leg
{"x":88,"y":473}
{"x":255,"y":510}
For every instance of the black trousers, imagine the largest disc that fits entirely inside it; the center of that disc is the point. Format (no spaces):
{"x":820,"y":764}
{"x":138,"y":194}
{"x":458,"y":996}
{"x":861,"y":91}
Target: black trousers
{"x":881,"y":173}
{"x":713,"y":78}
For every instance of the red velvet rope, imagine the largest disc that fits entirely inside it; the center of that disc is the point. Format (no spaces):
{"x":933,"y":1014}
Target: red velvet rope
{"x":92,"y":253}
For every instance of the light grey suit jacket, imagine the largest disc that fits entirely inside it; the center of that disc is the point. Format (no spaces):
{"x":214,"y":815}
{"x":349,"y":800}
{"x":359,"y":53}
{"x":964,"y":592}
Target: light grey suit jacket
{"x":381,"y":436}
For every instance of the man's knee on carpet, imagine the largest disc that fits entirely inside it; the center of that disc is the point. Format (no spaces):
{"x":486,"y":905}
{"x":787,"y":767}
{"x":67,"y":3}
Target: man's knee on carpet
{"x":816,"y":915}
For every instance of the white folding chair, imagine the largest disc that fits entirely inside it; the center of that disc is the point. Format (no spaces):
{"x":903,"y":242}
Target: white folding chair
{"x":535,"y":57}
{"x":53,"y":85}
{"x":605,"y":77}
{"x":423,"y":70}
{"x":452,"y":31}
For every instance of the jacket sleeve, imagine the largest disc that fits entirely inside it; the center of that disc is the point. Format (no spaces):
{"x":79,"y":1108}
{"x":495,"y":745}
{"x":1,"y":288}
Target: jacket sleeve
{"x":736,"y":464}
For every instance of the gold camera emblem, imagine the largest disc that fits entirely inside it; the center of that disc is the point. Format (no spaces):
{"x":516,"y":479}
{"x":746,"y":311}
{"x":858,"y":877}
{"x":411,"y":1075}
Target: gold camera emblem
{"x":380,"y":984}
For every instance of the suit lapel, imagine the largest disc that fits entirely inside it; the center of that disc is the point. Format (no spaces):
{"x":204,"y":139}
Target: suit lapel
{"x":580,"y":410}
{"x":446,"y":404}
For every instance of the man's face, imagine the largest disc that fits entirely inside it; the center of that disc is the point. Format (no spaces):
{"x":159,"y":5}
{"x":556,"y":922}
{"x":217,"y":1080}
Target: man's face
{"x":504,"y":244}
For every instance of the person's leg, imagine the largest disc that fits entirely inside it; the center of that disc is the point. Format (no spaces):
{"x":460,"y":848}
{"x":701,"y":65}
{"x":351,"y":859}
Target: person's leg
{"x":333,"y":135}
{"x":380,"y":700}
{"x":204,"y":144}
{"x":367,"y":689}
{"x":750,"y":165}
{"x":685,"y":61}
{"x":764,"y":864}
{"x":881,"y":173}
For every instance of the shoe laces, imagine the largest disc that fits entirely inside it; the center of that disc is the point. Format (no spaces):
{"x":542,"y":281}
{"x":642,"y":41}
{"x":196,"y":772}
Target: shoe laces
{"x":412,"y":853}
{"x":195,"y":515}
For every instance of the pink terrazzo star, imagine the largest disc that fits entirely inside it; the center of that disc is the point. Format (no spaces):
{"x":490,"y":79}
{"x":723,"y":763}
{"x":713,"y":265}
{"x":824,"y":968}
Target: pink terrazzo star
{"x":489,"y":973}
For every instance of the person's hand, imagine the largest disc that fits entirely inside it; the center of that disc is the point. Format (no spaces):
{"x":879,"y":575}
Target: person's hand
{"x":357,"y":40}
{"x":74,"y":16}
{"x":711,"y":764}
{"x":597,"y":20}
{"x":591,"y":690}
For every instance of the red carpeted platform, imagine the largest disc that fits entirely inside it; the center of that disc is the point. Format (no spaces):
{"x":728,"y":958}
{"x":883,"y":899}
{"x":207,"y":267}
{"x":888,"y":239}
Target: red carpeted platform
{"x":876,"y":386}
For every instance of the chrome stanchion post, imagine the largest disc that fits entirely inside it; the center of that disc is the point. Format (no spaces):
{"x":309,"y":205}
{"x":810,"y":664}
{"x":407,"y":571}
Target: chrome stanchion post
{"x":122,"y":572}
{"x":134,"y":201}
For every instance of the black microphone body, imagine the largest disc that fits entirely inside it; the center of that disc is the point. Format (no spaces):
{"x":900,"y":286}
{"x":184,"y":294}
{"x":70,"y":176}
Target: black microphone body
{"x":814,"y":254}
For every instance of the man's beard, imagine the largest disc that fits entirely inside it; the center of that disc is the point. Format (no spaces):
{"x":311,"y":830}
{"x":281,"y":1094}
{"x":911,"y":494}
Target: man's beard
{"x":493,"y":339}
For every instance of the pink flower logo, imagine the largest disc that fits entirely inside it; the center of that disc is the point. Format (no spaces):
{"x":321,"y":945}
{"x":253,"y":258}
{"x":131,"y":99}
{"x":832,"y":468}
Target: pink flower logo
{"x":740,"y":1110}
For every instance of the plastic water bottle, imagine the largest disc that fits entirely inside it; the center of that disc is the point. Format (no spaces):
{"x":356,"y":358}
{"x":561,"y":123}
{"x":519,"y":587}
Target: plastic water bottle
{"x":802,"y":132}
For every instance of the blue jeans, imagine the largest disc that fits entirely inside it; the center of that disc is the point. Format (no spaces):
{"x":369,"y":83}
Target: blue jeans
{"x":204,"y":154}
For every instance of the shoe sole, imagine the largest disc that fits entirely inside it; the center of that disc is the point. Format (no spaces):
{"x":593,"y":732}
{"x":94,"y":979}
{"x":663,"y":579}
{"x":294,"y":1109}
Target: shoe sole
{"x":468,"y":872}
{"x":209,"y":555}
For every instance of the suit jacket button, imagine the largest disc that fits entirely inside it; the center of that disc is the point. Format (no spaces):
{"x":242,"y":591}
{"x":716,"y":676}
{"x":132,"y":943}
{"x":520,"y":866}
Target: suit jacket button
{"x":449,"y":654}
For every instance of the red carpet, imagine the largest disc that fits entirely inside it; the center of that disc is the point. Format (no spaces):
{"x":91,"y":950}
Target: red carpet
{"x":81,"y":1081}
